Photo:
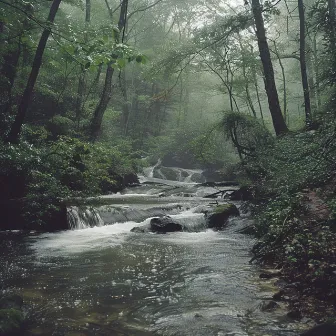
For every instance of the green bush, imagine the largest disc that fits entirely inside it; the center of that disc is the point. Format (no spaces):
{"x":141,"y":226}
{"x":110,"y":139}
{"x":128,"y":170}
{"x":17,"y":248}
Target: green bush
{"x":41,"y":178}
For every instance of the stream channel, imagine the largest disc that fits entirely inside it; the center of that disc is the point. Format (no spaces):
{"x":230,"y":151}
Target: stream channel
{"x":98,"y":278}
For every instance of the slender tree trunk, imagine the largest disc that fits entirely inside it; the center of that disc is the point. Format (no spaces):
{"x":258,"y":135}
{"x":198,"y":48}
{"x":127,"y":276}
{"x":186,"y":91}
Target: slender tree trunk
{"x":258,"y":96}
{"x":283,"y":72}
{"x":317,"y":73}
{"x":247,"y":89}
{"x":107,"y":91}
{"x":8,"y":73}
{"x":270,"y":87}
{"x":311,"y":78}
{"x":104,"y":100}
{"x":82,"y":77}
{"x":332,"y":22}
{"x":303,"y":64}
{"x":126,"y":105}
{"x":256,"y":87}
{"x":15,"y":131}
{"x":231,"y":88}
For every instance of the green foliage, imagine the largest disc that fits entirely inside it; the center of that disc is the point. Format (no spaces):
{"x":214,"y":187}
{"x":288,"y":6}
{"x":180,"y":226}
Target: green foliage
{"x":43,"y":177}
{"x":296,"y":225}
{"x":196,"y":145}
{"x":246,"y":133}
{"x":60,"y":125}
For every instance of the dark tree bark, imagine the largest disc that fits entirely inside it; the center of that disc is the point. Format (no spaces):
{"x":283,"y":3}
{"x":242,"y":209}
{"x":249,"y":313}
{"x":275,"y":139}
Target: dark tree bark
{"x":279,"y":124}
{"x":105,"y":99}
{"x":317,"y":72}
{"x":303,"y":64}
{"x":15,"y":131}
{"x":311,"y":78}
{"x":107,"y":91}
{"x":332,"y":22}
{"x":8,"y":72}
{"x":283,"y":72}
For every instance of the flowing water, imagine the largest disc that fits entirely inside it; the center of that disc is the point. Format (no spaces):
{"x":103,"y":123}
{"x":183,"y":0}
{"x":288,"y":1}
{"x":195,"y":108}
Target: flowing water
{"x":101,"y":279}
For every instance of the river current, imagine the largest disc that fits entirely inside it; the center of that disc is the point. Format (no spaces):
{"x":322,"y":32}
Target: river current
{"x":99,"y":278}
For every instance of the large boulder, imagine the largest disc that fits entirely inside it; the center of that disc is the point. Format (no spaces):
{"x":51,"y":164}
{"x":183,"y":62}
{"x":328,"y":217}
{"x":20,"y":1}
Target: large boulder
{"x":325,"y":329}
{"x":164,"y":224}
{"x":217,"y":219}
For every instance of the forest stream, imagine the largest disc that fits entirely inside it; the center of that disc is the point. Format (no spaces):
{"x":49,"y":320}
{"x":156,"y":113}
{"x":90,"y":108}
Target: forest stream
{"x":99,"y":278}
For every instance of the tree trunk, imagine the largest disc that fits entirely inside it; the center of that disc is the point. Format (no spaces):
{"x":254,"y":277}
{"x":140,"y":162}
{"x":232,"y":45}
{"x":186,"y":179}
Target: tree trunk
{"x":303,"y":64}
{"x":256,"y":87}
{"x":283,"y":72}
{"x":15,"y":131}
{"x":279,"y":124}
{"x":332,"y":22}
{"x":101,"y":108}
{"x":317,"y":73}
{"x":311,"y":78}
{"x":81,"y":82}
{"x":107,"y":91}
{"x":8,"y":73}
{"x":247,"y":89}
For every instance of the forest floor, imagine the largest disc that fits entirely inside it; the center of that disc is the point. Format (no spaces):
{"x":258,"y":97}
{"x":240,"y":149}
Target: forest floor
{"x":294,"y":207}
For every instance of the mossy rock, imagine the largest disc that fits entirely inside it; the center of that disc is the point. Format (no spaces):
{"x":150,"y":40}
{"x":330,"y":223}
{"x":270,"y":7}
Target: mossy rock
{"x":11,"y":321}
{"x":221,"y":213}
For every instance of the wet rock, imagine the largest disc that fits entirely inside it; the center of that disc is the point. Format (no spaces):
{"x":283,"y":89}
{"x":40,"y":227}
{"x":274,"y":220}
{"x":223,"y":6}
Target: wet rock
{"x":270,"y":273}
{"x":278,"y":296}
{"x":131,"y":179}
{"x":141,"y":229}
{"x":11,"y":322}
{"x":325,"y":329}
{"x":11,"y":301}
{"x":164,"y":224}
{"x":11,"y":316}
{"x":217,"y":219}
{"x":295,"y":314}
{"x":269,"y":306}
{"x":242,"y":194}
{"x":248,"y":230}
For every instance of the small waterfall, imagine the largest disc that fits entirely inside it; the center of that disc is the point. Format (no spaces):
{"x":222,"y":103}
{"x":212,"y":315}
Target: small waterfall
{"x":82,"y":218}
{"x":149,"y":171}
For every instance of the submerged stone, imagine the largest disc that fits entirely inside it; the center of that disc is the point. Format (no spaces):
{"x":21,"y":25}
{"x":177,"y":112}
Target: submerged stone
{"x":164,"y":224}
{"x":11,"y":321}
{"x":269,"y":306}
{"x":12,"y":301}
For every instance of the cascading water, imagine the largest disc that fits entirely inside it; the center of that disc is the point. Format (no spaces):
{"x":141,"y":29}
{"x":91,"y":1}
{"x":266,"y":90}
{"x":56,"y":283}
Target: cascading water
{"x":174,"y":174}
{"x":82,"y":218}
{"x":106,"y":280}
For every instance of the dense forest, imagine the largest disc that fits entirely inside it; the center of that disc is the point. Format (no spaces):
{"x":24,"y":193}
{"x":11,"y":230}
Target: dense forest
{"x":94,"y":91}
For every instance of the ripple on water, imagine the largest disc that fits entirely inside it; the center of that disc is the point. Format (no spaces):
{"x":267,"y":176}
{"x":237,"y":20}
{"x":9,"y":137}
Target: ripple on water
{"x":109,"y":281}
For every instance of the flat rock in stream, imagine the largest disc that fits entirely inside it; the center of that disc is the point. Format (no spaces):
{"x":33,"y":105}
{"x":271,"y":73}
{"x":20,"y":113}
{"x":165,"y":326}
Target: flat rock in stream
{"x":217,"y":219}
{"x":164,"y":224}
